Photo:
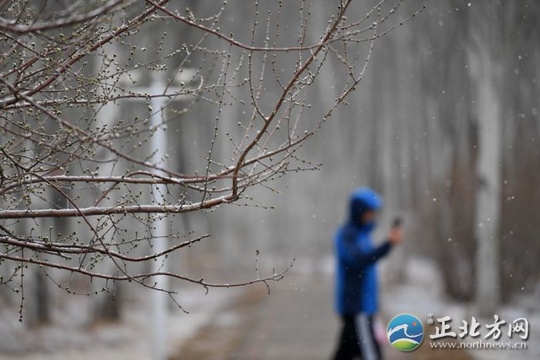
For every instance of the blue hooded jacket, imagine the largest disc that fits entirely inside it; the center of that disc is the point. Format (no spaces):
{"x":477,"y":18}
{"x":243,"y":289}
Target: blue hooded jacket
{"x":356,"y":275}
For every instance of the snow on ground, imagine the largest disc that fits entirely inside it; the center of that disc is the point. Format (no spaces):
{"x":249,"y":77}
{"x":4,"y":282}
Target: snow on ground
{"x":421,"y":293}
{"x":129,"y":340}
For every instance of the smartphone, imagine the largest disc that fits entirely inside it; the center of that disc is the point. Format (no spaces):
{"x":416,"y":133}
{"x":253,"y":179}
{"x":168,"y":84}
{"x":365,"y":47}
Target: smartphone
{"x":397,"y":221}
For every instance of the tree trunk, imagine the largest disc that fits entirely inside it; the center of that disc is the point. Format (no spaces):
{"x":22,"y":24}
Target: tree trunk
{"x":485,"y":74}
{"x":107,"y":305}
{"x":37,"y":307}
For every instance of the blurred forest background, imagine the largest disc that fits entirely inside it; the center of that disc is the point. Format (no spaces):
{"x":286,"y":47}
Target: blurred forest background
{"x":413,"y":131}
{"x":445,"y":125}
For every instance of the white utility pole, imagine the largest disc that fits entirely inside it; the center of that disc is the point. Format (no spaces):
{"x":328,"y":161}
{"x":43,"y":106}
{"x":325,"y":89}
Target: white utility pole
{"x":159,"y":233}
{"x":161,"y":94}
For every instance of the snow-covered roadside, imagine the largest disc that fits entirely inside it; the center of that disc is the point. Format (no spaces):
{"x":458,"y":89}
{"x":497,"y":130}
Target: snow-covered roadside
{"x":421,"y":293}
{"x":127,"y":340}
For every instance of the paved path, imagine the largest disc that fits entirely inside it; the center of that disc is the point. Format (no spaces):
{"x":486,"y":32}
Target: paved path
{"x":296,"y":321}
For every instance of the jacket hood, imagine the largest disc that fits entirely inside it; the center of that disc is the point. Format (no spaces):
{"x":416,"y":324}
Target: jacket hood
{"x":363,"y":199}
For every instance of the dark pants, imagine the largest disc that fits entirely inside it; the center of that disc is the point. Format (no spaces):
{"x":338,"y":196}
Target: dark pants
{"x":357,"y":339}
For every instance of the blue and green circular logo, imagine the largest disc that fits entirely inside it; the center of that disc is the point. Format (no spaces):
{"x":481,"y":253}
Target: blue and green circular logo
{"x":405,"y":332}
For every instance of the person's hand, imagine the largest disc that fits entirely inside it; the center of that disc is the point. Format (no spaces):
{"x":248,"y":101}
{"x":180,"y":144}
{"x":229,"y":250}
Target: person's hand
{"x":395,"y":236}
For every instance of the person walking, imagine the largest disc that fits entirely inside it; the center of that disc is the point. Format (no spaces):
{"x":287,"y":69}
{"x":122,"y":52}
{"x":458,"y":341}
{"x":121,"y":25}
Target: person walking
{"x":356,"y":276}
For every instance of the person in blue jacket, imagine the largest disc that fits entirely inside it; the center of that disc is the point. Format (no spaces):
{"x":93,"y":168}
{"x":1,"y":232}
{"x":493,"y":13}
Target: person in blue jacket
{"x":356,"y":276}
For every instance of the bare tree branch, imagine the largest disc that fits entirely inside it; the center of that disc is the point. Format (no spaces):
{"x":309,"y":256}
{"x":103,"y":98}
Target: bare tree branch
{"x":78,"y":88}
